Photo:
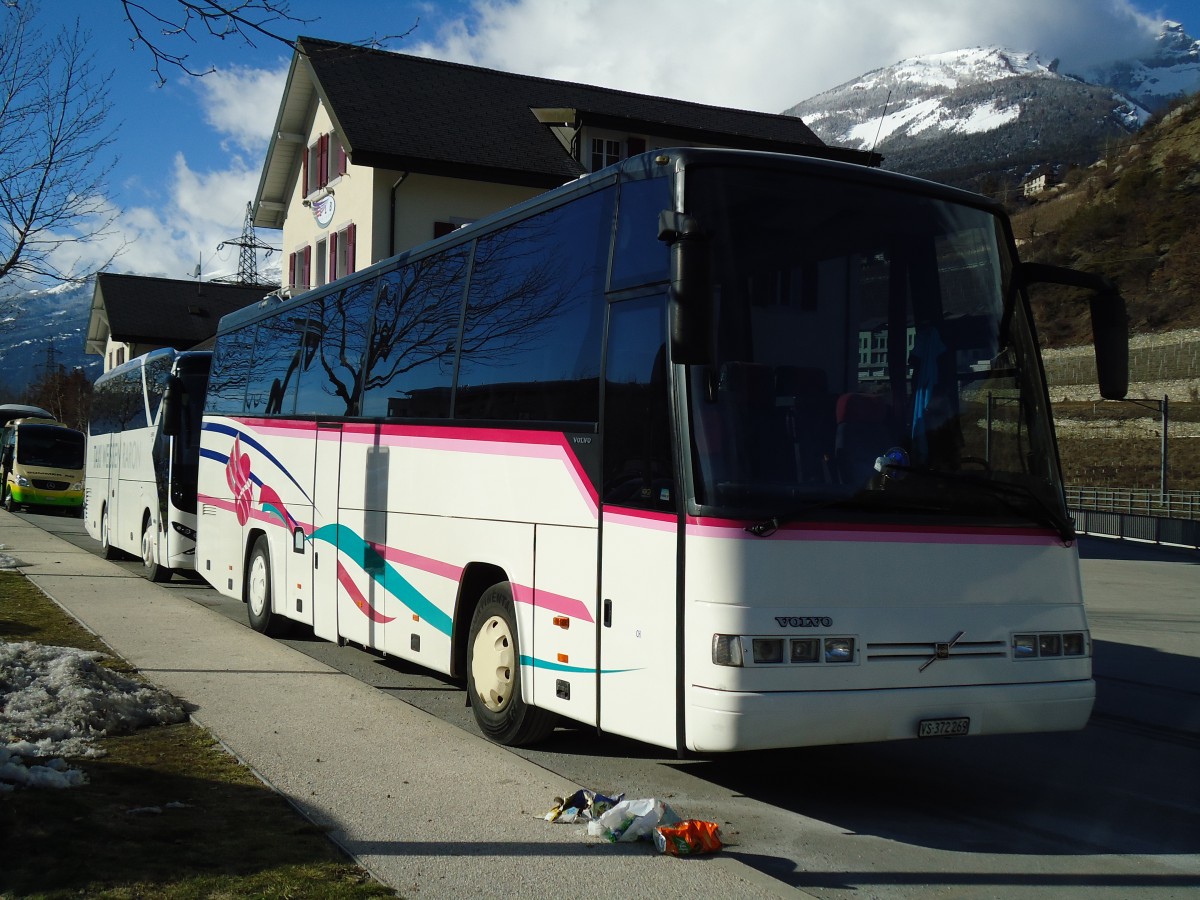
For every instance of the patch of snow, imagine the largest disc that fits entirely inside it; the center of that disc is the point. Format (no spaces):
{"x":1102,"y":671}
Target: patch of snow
{"x":55,"y":702}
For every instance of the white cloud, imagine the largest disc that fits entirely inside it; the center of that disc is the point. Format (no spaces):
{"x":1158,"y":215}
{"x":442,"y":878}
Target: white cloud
{"x":168,"y":234}
{"x":240,"y":103}
{"x":768,"y":54}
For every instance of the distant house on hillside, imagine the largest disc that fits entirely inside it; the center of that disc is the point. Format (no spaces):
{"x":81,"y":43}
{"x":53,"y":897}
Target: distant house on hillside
{"x":374,"y":152}
{"x":134,"y":314}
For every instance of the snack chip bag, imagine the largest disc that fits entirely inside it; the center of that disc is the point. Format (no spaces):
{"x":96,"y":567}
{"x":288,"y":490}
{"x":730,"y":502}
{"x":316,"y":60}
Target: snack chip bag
{"x":688,"y":838}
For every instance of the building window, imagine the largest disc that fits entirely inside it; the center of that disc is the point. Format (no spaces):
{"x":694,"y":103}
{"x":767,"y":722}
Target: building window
{"x":605,"y":153}
{"x":341,"y":252}
{"x":324,"y":161}
{"x":322,"y":256}
{"x":298,"y":269}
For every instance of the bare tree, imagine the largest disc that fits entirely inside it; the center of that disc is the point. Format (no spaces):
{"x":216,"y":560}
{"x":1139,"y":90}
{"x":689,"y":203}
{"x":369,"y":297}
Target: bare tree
{"x":160,"y":25}
{"x":54,"y":150}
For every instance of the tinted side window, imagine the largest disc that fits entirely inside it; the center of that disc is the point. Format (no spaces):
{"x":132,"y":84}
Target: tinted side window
{"x":335,"y":341}
{"x":413,"y":342}
{"x":271,"y":387}
{"x":157,"y":373}
{"x":639,"y":256}
{"x":531,"y":339}
{"x":231,"y":361}
{"x":637,"y":423}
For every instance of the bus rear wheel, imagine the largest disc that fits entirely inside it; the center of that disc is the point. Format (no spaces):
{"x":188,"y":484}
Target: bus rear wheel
{"x":257,"y":592}
{"x":155,"y":571}
{"x":494,"y":674}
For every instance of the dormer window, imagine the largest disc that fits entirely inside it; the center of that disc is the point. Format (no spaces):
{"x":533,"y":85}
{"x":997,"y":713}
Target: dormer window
{"x":605,"y":153}
{"x":324,"y":161}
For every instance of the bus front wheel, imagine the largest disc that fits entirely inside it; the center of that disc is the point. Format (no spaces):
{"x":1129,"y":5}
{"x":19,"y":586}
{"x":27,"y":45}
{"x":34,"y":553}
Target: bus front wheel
{"x":494,"y":675}
{"x":107,"y":550}
{"x":258,"y":591}
{"x":155,"y":571}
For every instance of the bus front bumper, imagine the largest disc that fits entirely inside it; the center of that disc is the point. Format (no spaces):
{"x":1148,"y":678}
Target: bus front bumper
{"x":721,"y":721}
{"x":28,"y":496}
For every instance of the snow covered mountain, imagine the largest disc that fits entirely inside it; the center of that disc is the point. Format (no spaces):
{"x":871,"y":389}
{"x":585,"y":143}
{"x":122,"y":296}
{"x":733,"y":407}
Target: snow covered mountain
{"x":991,"y":113}
{"x":41,"y":326}
{"x":1172,"y":71}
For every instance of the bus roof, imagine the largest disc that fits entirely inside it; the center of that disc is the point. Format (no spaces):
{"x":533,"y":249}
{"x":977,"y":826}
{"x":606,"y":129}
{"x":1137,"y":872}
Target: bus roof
{"x":10,"y":411}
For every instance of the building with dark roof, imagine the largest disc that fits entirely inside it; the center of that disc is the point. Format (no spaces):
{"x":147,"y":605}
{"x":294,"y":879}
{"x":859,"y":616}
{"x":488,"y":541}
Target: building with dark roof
{"x":374,"y":152}
{"x":134,"y":314}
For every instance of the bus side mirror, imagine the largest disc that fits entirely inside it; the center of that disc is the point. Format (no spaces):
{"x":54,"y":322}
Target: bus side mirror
{"x":1110,"y":322}
{"x":691,"y":304}
{"x":172,"y":409}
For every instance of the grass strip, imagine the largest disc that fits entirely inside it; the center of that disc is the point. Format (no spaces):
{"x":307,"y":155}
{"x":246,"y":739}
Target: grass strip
{"x":166,"y":813}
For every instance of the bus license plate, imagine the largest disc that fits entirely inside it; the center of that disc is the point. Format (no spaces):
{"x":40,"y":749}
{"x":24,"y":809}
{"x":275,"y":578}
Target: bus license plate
{"x":943,"y":727}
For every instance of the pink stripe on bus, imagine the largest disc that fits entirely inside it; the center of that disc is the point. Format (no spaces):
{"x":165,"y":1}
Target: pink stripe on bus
{"x":558,"y":603}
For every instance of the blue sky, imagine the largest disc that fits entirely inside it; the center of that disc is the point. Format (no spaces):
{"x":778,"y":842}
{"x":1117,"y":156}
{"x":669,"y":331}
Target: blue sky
{"x":190,"y":151}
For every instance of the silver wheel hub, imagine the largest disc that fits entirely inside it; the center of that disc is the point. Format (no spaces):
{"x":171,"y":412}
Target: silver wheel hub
{"x":257,"y":594}
{"x":148,"y":547}
{"x":494,"y":664}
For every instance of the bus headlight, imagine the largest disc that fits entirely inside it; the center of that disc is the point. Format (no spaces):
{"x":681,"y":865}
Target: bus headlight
{"x":77,"y":486}
{"x":839,"y":650}
{"x":1051,"y":645}
{"x":22,"y":481}
{"x":180,"y":528}
{"x":768,"y":650}
{"x":727,"y":650}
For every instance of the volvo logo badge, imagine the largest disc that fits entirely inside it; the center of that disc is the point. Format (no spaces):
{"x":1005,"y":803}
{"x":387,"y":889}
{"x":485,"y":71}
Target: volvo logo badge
{"x":941,"y":651}
{"x":804,"y":621}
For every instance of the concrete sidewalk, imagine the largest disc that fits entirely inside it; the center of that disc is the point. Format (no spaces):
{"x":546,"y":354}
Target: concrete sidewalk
{"x":429,"y":809}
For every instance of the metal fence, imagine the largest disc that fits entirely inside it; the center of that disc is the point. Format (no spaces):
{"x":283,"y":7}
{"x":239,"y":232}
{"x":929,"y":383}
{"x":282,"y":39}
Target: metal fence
{"x":1135,"y":514}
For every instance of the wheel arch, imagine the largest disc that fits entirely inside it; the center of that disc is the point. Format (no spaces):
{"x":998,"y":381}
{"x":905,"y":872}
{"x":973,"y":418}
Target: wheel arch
{"x":252,"y":537}
{"x":477,"y":577}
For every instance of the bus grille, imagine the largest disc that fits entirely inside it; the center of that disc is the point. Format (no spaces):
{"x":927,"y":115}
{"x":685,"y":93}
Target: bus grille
{"x":925,"y":649}
{"x":44,"y":485}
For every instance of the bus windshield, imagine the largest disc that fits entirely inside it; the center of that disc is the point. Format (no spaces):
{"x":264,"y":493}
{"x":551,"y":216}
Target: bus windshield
{"x":51,"y":446}
{"x":868,"y":358}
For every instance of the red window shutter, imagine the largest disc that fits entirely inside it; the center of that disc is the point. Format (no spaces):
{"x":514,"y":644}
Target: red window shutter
{"x":305,"y":189}
{"x":351,"y":241}
{"x":291,"y":270}
{"x":307,"y":267}
{"x":333,"y":266}
{"x":635,"y":145}
{"x":322,"y":160}
{"x":440,"y":229}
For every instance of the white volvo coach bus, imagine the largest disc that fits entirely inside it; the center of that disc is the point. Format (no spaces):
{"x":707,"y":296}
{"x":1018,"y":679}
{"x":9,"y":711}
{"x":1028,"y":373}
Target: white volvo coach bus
{"x":716,"y":450}
{"x":143,"y":447}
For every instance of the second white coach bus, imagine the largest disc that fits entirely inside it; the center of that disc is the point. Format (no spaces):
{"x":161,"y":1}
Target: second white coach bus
{"x":143,"y":447}
{"x":716,"y":450}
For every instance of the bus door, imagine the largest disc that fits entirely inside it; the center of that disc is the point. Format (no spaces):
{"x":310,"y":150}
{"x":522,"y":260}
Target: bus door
{"x":639,"y":531}
{"x":322,"y":550}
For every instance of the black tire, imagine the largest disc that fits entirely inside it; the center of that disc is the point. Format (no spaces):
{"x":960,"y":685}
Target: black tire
{"x":107,"y":550}
{"x":155,"y":571}
{"x":494,"y":674}
{"x":257,"y":591}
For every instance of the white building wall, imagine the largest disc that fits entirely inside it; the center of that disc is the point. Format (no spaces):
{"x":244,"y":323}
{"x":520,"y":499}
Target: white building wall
{"x":423,"y":200}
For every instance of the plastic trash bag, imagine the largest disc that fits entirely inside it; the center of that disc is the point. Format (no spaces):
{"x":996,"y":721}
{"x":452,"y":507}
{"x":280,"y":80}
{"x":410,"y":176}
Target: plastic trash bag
{"x":688,"y":838}
{"x":632,"y":820}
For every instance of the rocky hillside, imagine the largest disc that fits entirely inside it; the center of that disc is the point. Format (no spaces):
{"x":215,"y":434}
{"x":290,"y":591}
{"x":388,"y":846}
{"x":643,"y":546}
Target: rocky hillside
{"x":1134,"y":217}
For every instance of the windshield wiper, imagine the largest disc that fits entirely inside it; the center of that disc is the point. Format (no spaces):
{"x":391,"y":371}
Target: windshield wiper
{"x":768,"y":527}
